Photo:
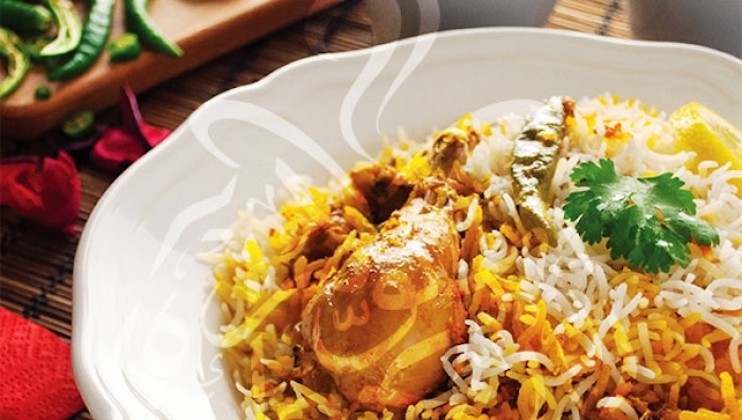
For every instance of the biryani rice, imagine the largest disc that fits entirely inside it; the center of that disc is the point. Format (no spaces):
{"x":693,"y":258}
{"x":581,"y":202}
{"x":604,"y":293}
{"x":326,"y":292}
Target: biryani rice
{"x":553,"y":331}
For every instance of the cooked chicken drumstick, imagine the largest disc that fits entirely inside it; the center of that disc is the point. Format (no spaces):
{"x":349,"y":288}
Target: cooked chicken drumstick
{"x":380,"y":325}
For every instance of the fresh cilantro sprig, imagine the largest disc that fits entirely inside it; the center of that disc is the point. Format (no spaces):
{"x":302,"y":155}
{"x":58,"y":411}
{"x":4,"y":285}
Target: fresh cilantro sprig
{"x":648,"y":221}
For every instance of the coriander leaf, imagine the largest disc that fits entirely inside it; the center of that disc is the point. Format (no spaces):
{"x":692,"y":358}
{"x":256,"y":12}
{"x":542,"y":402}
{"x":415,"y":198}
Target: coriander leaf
{"x":648,"y":221}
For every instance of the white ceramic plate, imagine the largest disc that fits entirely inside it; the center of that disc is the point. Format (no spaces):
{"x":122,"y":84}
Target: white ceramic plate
{"x":145,"y":322}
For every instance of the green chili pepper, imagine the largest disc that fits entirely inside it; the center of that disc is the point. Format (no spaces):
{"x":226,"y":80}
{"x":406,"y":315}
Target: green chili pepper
{"x":35,"y":44}
{"x":79,"y":124}
{"x":23,"y":17}
{"x":139,"y":22}
{"x":125,"y":48}
{"x":33,"y":47}
{"x":69,"y":28}
{"x":534,"y":161}
{"x":94,"y":37}
{"x":18,"y":61}
{"x":42,"y":93}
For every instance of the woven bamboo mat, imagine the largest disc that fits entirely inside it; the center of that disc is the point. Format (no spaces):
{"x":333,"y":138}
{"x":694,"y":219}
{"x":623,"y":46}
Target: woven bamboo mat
{"x":36,"y":265}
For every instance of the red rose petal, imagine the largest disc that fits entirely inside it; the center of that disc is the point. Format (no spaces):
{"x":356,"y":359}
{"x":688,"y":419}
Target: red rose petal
{"x":60,"y":192}
{"x":119,"y":147}
{"x":20,"y":187}
{"x":115,"y":149}
{"x":47,"y":192}
{"x":154,"y":135}
{"x":131,"y":115}
{"x":134,"y":124}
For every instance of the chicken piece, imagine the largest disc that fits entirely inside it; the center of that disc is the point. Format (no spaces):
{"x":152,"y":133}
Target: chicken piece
{"x":384,"y":189}
{"x":380,"y":325}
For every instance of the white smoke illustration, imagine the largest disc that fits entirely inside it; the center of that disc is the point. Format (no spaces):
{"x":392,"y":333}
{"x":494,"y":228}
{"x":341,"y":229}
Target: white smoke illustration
{"x":260,"y":150}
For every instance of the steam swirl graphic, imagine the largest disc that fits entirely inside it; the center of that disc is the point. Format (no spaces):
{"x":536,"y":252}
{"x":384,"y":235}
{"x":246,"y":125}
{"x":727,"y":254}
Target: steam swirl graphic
{"x":251,"y":153}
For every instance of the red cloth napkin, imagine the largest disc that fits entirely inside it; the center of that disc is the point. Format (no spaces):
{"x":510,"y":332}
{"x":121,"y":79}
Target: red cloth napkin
{"x":36,"y":380}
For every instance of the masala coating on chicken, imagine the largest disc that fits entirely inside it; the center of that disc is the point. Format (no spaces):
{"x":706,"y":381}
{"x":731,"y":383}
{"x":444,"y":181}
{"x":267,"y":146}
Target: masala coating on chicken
{"x":380,"y":325}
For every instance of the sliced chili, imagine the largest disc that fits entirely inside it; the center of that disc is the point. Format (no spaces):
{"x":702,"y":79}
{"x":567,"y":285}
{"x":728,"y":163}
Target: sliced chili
{"x":94,"y":37}
{"x":69,"y":28}
{"x":18,"y":61}
{"x":125,"y":48}
{"x":35,"y":44}
{"x":79,"y":124}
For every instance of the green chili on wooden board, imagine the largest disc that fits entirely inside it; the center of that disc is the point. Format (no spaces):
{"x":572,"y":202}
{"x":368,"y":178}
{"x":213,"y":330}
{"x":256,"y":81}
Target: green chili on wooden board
{"x":94,"y":36}
{"x":18,"y":61}
{"x":534,"y":161}
{"x":69,"y":28}
{"x":72,"y":48}
{"x":42,"y":93}
{"x":35,"y":44}
{"x":138,"y":21}
{"x":23,"y":17}
{"x":124,"y":48}
{"x":79,"y":124}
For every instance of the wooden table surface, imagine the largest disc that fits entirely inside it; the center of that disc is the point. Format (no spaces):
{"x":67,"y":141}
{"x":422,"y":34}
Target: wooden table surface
{"x":36,"y":265}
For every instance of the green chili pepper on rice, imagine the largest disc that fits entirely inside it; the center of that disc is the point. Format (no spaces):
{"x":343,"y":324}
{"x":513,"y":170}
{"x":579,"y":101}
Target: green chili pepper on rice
{"x":534,"y":161}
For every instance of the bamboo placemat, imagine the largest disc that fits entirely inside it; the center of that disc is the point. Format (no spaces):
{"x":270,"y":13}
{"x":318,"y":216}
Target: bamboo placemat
{"x":36,"y":265}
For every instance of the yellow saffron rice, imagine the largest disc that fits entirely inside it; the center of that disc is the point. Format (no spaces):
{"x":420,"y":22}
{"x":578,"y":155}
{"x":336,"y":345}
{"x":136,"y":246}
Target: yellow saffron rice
{"x":553,"y":332}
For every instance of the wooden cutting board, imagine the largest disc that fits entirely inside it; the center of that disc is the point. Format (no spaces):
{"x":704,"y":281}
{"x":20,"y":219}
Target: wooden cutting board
{"x":204,"y":29}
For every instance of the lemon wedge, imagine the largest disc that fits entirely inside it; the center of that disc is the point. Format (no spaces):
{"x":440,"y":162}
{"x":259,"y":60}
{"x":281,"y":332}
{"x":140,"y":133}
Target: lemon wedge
{"x":705,"y":132}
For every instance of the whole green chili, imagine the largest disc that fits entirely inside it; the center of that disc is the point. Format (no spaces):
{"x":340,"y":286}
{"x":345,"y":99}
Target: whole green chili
{"x":535,"y":156}
{"x":23,"y":17}
{"x":69,"y":28}
{"x":139,"y":22}
{"x":18,"y":61}
{"x":94,"y":37}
